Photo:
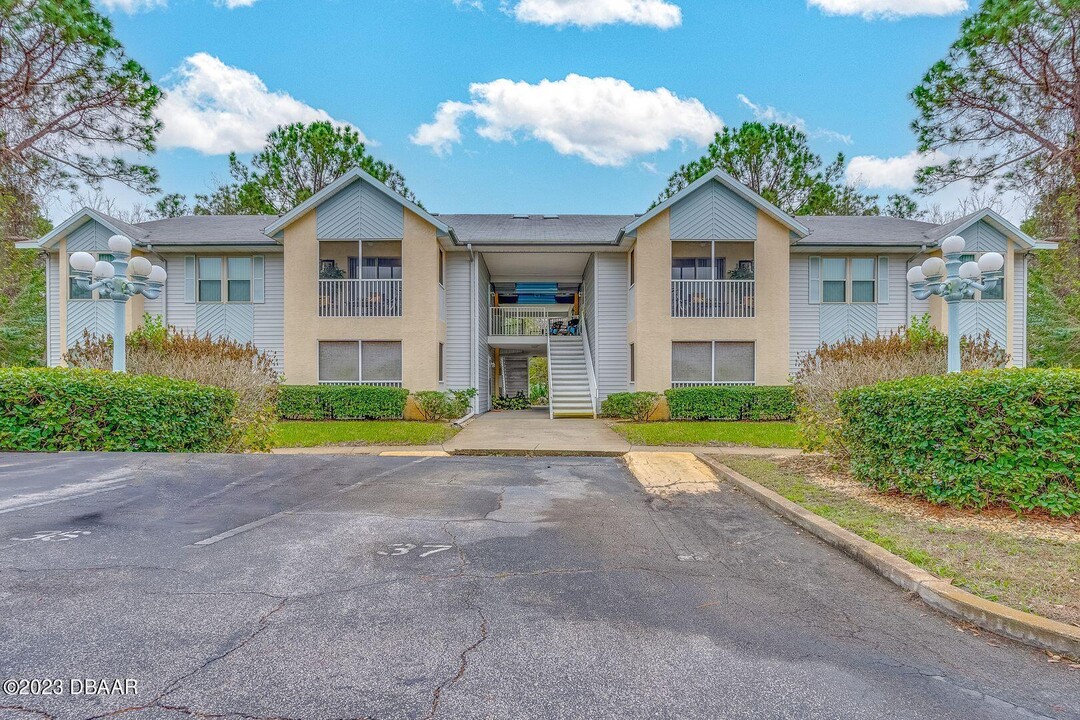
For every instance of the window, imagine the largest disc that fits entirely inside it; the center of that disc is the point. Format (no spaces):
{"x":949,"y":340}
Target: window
{"x":381,"y":268}
{"x":863,"y":279}
{"x":633,"y":363}
{"x":339,"y":362}
{"x":848,"y":280}
{"x":691,"y":268}
{"x":712,"y":363}
{"x":440,"y":362}
{"x":346,"y":362}
{"x":380,"y":362}
{"x":209,"y":274}
{"x":77,"y":293}
{"x":442,"y":268}
{"x":834,"y":280}
{"x":633,"y":267}
{"x":239,"y":274}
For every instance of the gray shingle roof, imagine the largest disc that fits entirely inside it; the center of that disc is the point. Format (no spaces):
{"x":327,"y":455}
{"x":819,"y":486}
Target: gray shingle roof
{"x":871,"y":230}
{"x":207,"y":230}
{"x":510,"y":229}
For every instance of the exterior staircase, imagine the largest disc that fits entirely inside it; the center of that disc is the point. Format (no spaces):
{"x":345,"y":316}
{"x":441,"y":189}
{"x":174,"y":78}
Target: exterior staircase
{"x":569,"y":390}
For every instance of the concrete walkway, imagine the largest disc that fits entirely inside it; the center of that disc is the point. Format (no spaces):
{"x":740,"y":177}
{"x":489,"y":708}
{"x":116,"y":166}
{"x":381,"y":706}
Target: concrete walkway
{"x":527,"y":431}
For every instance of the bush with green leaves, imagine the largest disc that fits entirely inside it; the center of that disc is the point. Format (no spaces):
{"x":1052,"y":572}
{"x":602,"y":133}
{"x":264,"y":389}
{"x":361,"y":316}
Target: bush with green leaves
{"x":638,"y":406}
{"x":732,"y":402}
{"x":974,"y":439}
{"x":439,"y":405}
{"x":52,"y":409}
{"x":511,"y":402}
{"x":919,"y":349}
{"x":341,"y":402}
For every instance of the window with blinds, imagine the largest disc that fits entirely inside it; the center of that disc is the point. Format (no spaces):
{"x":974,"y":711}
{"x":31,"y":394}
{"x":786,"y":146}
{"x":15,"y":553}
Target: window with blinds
{"x":712,"y":363}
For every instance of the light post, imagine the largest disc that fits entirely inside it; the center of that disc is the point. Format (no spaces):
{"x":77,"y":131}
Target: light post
{"x":955,"y":281}
{"x":118,"y":281}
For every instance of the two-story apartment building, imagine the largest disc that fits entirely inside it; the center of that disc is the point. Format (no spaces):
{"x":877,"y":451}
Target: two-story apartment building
{"x":359,"y":286}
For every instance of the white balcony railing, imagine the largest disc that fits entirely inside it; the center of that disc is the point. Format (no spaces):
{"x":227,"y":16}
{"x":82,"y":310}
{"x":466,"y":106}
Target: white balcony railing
{"x":522,"y":321}
{"x":359,"y":298}
{"x":712,"y":298}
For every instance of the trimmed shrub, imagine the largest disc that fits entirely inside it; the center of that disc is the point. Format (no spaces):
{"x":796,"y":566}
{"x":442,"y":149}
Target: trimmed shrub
{"x":438,"y":405}
{"x":911,"y":351}
{"x":637,"y":406}
{"x":52,"y":409}
{"x":732,"y":402}
{"x":341,"y":402}
{"x":154,"y":349}
{"x":997,"y":437}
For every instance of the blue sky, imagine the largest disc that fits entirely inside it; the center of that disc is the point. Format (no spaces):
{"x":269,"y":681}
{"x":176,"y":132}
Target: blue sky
{"x":645,"y":75}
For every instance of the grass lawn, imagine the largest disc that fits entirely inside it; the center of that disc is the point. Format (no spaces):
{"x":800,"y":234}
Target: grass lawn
{"x":1029,"y":563}
{"x":364,"y":432}
{"x":760,"y":434}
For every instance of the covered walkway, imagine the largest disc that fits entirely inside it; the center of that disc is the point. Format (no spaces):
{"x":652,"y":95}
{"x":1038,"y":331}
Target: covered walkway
{"x":526,"y":431}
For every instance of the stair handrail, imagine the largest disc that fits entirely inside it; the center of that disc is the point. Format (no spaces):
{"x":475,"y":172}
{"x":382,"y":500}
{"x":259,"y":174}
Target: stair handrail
{"x":593,"y":394}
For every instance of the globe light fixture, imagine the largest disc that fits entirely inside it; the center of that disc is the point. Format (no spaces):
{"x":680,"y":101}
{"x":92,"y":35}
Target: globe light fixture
{"x":113,"y":283}
{"x":955,"y":281}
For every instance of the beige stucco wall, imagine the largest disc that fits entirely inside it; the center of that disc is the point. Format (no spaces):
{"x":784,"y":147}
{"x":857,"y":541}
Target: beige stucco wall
{"x":653,"y":329}
{"x":418,"y":329}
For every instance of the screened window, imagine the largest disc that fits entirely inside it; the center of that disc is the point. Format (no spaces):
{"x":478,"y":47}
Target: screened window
{"x":381,"y":268}
{"x":633,"y":363}
{"x":441,"y":362}
{"x":339,"y":362}
{"x":239,"y":274}
{"x":834,"y":280}
{"x":863,"y":280}
{"x":210,"y":276}
{"x":691,"y":362}
{"x":442,"y":267}
{"x":733,"y":362}
{"x":712,"y":363}
{"x":380,"y":362}
{"x":633,"y":267}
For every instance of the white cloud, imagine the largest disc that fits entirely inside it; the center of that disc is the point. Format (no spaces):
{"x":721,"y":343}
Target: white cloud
{"x":591,"y":13}
{"x":895,"y":172}
{"x":769,"y":114}
{"x":131,"y":6}
{"x":231,"y":4}
{"x":216,"y":108}
{"x":891,"y":9}
{"x":604,"y":120}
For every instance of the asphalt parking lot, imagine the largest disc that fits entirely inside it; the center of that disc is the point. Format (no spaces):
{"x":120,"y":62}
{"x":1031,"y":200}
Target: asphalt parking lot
{"x":378,"y":587}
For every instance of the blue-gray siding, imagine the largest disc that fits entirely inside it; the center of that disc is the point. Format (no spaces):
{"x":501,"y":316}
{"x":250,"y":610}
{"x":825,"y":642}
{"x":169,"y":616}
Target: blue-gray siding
{"x":803,"y":315}
{"x":981,"y":238}
{"x":359,"y":211}
{"x":90,"y":237}
{"x":612,"y":351}
{"x":92,"y":316}
{"x":52,"y":299}
{"x":976,"y":317}
{"x":1019,"y":280}
{"x":459,"y":310}
{"x":713,"y":212}
{"x":588,"y":303}
{"x":838,"y":321}
{"x":892,"y":307}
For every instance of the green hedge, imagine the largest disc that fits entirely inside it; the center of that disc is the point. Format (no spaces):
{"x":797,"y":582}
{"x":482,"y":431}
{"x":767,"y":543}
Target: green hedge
{"x":341,"y":402}
{"x":50,"y":409}
{"x":995,"y":437}
{"x":630,"y":405}
{"x":732,"y":402}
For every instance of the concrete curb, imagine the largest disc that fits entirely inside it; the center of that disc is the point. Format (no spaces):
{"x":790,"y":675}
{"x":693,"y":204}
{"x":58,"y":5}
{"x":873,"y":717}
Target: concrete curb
{"x":937,"y":593}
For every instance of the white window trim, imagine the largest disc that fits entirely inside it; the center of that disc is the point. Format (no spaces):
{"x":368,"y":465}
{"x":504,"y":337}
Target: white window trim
{"x":712,"y":365}
{"x":400,"y":382}
{"x":225,"y":280}
{"x":849,"y":280}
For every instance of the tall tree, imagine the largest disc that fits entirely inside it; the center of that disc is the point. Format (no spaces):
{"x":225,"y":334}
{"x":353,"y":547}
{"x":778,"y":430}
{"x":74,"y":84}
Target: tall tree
{"x":1005,"y":100}
{"x":301,"y":159}
{"x":776,"y":162}
{"x":70,"y":98}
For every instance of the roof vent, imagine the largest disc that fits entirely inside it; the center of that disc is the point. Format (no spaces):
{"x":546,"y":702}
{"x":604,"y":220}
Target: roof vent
{"x":551,"y":217}
{"x":521,"y":217}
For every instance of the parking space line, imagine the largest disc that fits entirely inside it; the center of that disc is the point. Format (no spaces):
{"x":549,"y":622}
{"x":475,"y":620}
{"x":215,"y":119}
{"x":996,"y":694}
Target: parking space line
{"x":65,"y":498}
{"x":270,"y":518}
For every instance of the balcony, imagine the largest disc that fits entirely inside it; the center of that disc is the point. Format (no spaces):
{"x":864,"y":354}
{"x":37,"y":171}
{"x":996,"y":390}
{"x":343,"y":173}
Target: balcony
{"x":359,"y":298}
{"x":522,"y":321}
{"x":712,"y":298}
